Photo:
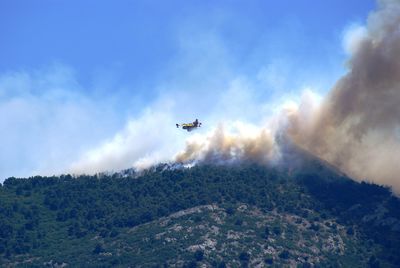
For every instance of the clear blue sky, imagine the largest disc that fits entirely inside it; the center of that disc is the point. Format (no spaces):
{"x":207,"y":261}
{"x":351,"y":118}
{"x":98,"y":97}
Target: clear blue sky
{"x":72,"y":73}
{"x":138,"y":39}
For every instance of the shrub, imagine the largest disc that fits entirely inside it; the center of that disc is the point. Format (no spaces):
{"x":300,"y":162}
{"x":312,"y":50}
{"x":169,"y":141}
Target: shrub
{"x":199,"y":255}
{"x":284,"y":254}
{"x":269,"y":261}
{"x":277,"y":230}
{"x":244,"y":256}
{"x":350,"y":231}
{"x":98,"y":249}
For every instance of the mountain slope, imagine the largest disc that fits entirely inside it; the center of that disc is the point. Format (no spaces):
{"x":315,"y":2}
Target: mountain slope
{"x":304,"y":214}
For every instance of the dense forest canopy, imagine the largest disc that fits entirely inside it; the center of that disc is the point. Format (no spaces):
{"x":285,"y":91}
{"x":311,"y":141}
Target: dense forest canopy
{"x":39,"y":213}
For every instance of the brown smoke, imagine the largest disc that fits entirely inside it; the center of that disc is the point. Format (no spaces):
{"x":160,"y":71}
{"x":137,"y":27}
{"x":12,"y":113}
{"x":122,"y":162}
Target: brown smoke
{"x":357,"y":125}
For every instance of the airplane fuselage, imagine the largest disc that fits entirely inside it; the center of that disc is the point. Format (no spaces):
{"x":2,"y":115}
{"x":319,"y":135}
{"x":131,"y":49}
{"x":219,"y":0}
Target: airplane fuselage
{"x":189,"y":126}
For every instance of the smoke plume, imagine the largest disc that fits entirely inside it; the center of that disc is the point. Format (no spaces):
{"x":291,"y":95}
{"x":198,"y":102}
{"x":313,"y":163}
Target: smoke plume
{"x":238,"y":142}
{"x":356,"y":128}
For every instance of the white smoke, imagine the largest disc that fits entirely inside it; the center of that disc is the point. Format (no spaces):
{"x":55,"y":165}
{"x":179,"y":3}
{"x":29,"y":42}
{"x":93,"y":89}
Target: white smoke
{"x":356,"y":127}
{"x":45,"y":121}
{"x":145,"y":141}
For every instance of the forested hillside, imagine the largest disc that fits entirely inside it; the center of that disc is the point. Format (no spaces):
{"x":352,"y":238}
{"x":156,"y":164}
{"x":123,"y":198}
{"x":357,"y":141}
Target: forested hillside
{"x":303,"y":215}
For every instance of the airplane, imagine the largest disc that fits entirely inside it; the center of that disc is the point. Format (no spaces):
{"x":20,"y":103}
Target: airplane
{"x":190,"y":126}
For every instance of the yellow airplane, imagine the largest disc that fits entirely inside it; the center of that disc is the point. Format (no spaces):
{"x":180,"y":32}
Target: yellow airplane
{"x":190,"y":126}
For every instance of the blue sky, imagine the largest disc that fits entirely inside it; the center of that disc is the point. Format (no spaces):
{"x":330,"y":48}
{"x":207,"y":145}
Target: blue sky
{"x":75,"y":75}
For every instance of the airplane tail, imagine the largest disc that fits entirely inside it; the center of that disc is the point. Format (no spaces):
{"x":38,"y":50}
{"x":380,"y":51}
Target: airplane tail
{"x":177,"y":125}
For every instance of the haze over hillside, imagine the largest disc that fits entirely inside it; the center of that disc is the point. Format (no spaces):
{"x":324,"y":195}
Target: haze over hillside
{"x":355,"y":127}
{"x":246,"y":91}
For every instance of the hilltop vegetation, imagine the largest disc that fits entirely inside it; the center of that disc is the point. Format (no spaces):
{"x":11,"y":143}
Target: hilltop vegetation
{"x":214,"y":215}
